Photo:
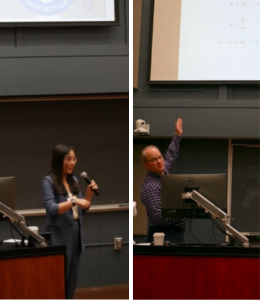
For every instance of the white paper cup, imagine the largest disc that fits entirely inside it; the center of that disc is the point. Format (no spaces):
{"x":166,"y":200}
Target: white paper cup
{"x":158,"y":238}
{"x":35,"y":229}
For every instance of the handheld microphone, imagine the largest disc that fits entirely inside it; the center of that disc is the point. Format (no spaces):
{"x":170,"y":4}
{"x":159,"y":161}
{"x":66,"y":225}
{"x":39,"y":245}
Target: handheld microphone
{"x":85,"y":177}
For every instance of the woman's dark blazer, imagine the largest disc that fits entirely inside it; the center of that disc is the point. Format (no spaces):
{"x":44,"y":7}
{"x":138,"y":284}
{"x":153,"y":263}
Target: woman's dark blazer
{"x":60,"y":226}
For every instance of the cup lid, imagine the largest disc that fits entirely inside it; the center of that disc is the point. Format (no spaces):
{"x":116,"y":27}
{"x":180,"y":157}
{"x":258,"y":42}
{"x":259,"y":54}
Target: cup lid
{"x":158,"y":234}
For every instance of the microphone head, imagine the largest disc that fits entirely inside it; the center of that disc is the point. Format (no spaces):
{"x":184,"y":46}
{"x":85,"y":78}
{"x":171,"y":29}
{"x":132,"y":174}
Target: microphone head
{"x":84,"y":175}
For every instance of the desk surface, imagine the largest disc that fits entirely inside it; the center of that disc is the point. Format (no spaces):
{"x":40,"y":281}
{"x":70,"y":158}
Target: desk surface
{"x":197,"y":250}
{"x":8,"y":251}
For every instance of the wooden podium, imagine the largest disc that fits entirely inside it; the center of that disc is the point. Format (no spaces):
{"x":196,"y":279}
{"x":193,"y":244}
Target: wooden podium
{"x":196,"y":272}
{"x":32,"y":273}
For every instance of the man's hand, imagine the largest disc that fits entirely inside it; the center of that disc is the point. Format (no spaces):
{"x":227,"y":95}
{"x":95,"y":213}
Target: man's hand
{"x":178,"y":127}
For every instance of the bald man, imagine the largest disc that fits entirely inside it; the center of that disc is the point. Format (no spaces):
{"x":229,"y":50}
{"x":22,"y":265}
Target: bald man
{"x":156,"y":166}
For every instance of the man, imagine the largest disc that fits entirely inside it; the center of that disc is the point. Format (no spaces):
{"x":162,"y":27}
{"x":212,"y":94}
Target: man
{"x":156,"y":166}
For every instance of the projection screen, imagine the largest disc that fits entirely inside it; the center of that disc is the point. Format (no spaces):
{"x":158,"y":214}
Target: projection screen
{"x":205,"y":40}
{"x":67,"y":12}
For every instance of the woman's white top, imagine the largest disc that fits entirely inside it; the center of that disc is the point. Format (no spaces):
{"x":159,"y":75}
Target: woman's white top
{"x":74,"y":208}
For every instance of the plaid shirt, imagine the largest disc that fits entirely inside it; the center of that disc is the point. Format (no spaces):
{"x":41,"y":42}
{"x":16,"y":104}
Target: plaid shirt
{"x":151,"y":189}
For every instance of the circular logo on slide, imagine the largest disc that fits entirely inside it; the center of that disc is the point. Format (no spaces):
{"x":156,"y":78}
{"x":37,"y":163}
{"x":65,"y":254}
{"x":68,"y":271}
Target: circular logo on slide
{"x":47,"y":7}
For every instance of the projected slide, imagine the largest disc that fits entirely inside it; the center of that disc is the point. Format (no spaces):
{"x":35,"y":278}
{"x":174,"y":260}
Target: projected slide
{"x":206,"y":40}
{"x":20,"y":11}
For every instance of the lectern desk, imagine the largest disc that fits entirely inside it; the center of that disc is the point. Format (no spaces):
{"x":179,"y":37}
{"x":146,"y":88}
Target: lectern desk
{"x":196,"y":272}
{"x":32,"y":273}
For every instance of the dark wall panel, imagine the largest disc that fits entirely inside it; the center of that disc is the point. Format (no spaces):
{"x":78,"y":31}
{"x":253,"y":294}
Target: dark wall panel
{"x":8,"y":37}
{"x":202,"y":122}
{"x":98,"y":129}
{"x":246,"y":187}
{"x":77,"y":36}
{"x":65,"y":60}
{"x":64,"y":75}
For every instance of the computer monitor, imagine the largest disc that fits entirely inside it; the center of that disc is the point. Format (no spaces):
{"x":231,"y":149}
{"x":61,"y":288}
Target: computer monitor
{"x":7,"y":195}
{"x":211,"y":186}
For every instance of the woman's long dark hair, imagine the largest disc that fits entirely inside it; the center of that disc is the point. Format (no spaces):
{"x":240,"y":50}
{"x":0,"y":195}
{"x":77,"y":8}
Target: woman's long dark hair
{"x":58,"y":154}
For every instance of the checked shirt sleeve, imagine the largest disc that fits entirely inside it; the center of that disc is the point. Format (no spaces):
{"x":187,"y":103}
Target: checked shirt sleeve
{"x":172,"y":153}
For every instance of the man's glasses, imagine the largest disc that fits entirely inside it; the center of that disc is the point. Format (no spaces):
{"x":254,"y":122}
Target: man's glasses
{"x":155,"y":159}
{"x":69,"y":159}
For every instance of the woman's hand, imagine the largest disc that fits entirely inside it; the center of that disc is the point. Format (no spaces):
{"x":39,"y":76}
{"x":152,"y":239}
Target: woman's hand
{"x":93,"y":186}
{"x":83,"y":203}
{"x":90,"y":190}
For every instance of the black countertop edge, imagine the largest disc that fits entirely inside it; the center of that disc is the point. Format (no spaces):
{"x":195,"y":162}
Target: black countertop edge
{"x":217,"y":251}
{"x":10,"y":252}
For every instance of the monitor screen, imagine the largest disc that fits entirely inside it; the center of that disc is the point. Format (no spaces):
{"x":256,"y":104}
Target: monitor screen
{"x":7,"y":192}
{"x":211,"y":186}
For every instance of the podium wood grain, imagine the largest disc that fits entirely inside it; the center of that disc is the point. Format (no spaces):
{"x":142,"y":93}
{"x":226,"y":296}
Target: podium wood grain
{"x":33,"y":278}
{"x":196,"y":272}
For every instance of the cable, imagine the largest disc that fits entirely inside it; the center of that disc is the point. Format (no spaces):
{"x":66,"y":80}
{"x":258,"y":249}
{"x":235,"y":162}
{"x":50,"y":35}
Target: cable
{"x":194,"y":213}
{"x":187,"y":244}
{"x":213,"y":231}
{"x":22,"y":236}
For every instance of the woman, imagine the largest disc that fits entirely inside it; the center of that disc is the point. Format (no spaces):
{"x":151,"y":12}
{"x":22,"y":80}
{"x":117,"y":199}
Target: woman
{"x":64,"y":205}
